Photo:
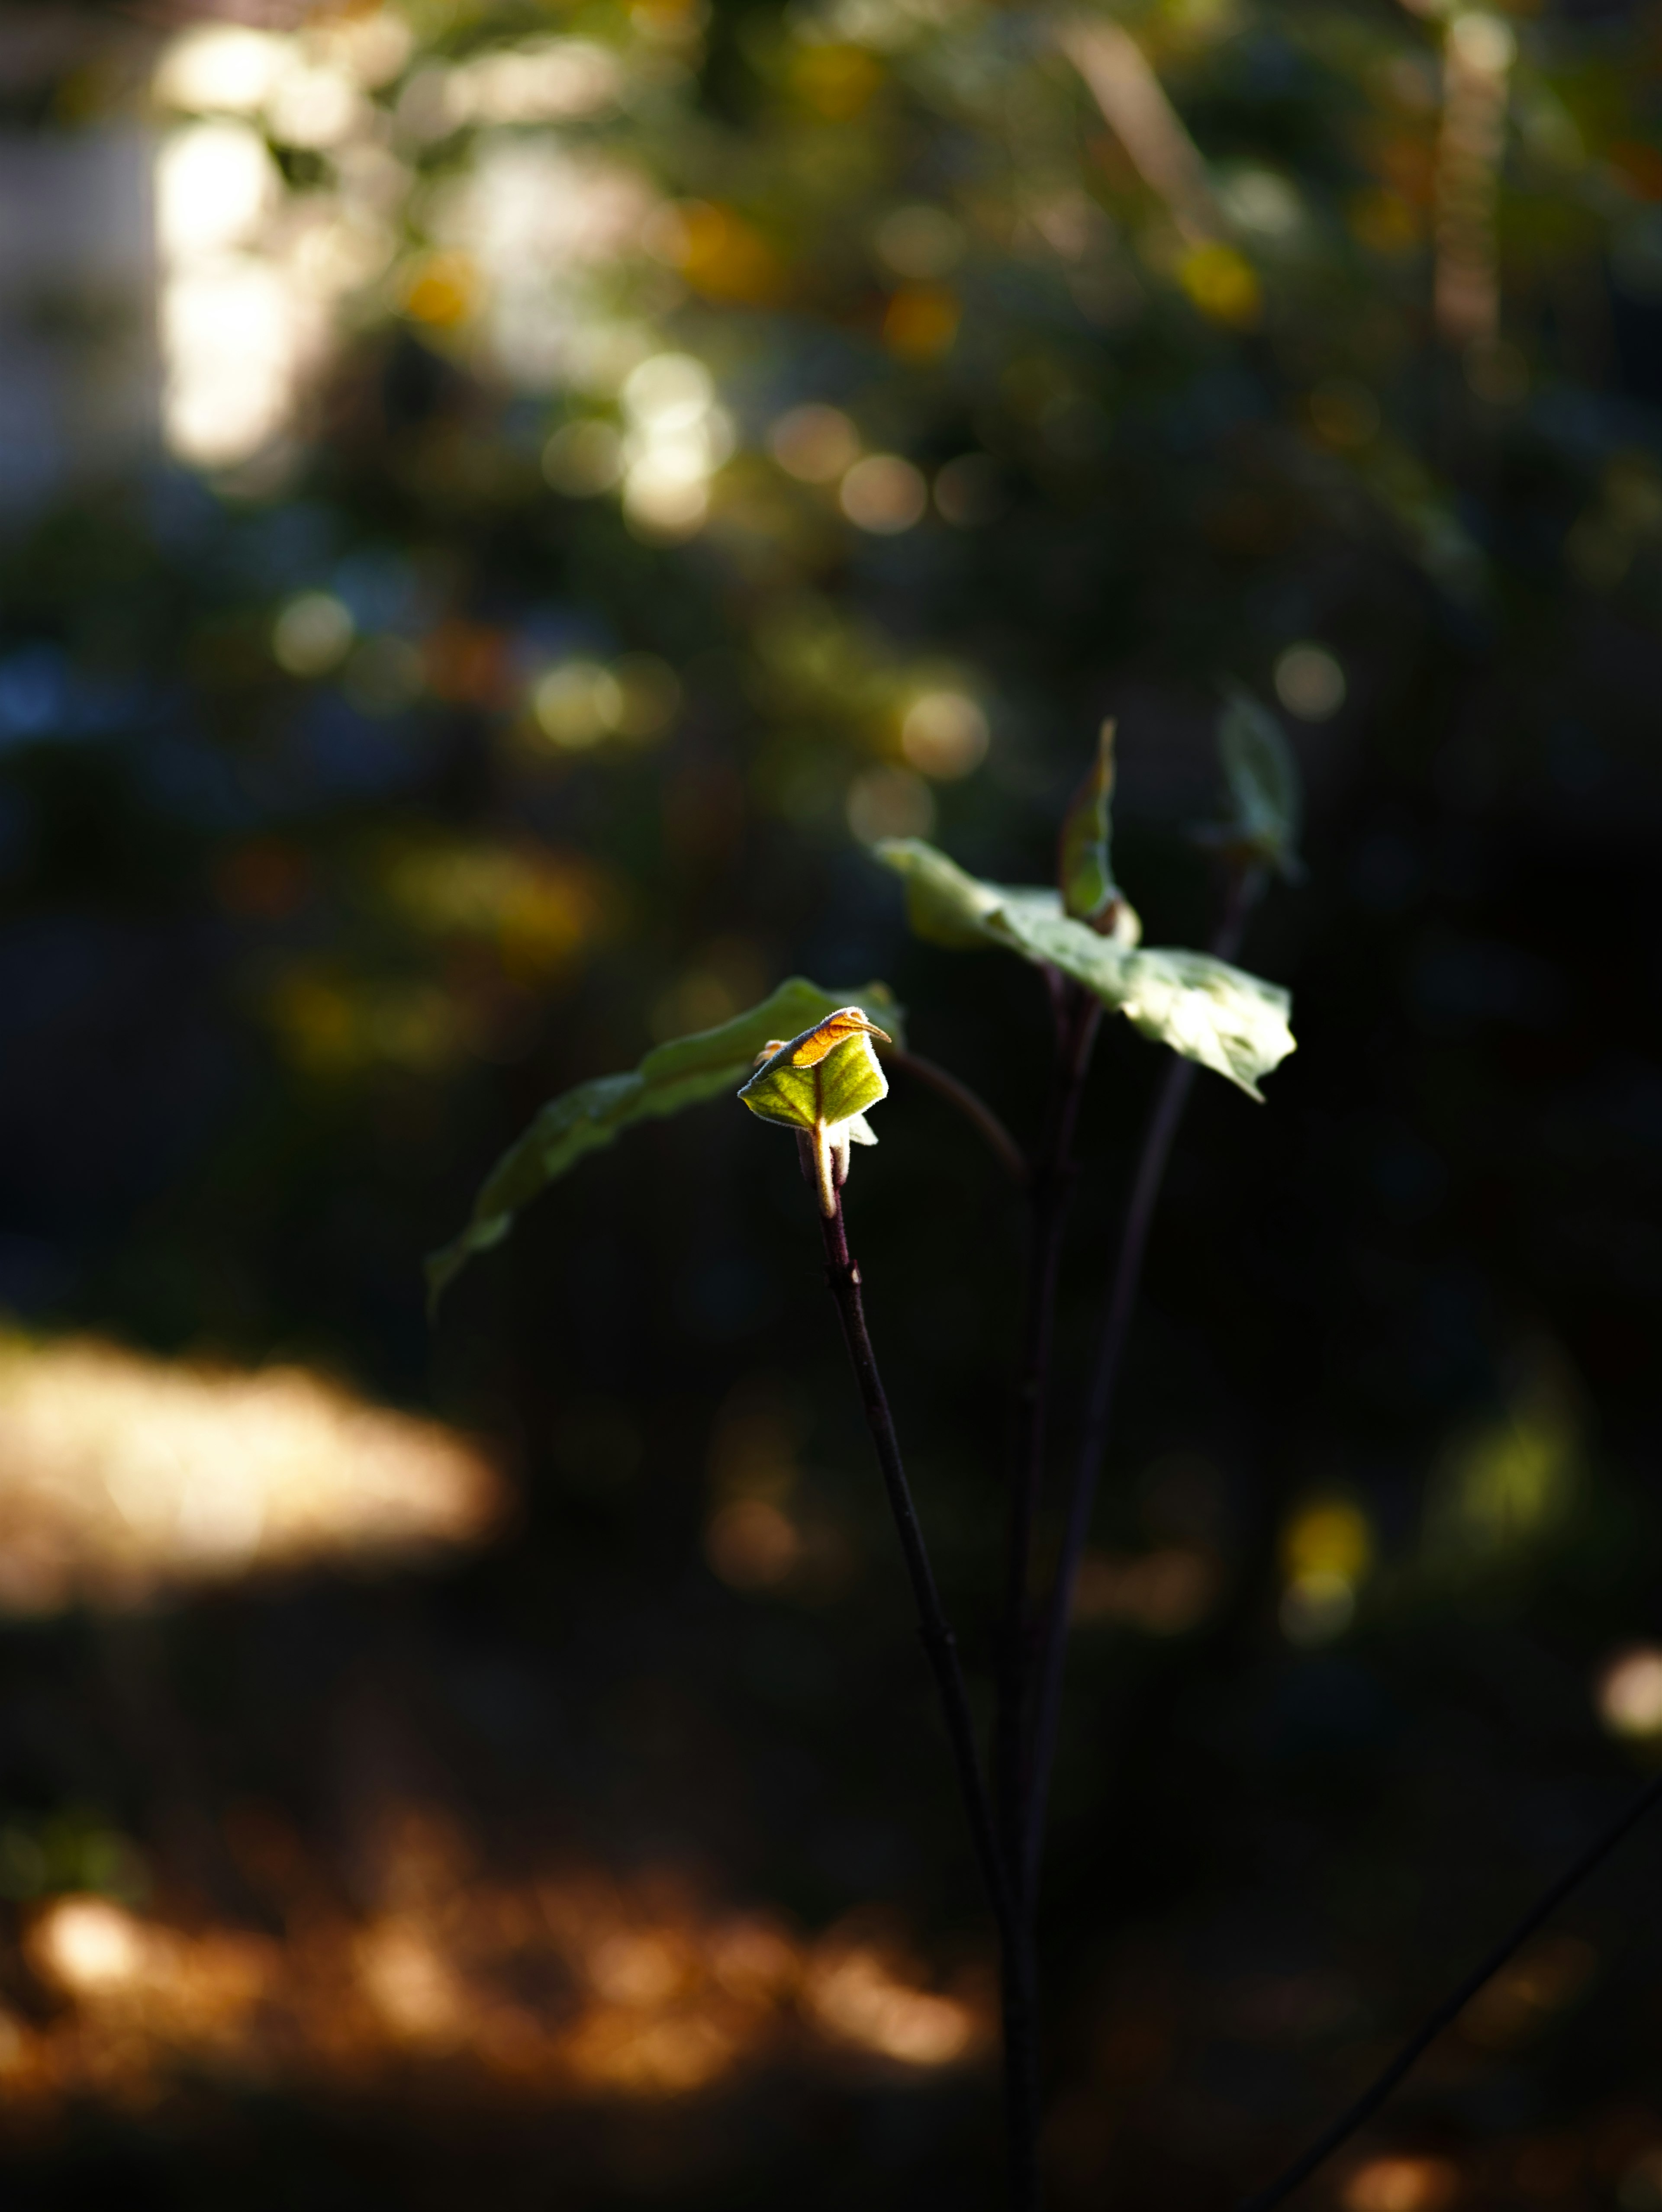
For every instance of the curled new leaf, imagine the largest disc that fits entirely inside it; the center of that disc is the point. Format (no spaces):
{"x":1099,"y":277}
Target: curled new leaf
{"x":1086,"y":868}
{"x":1266,"y":797}
{"x":824,"y":1077}
{"x":1201,"y":1007}
{"x":820,"y":1085}
{"x":683,"y":1073}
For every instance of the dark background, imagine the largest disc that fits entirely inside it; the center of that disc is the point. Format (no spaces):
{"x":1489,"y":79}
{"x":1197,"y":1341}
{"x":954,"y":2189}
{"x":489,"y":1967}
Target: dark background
{"x":249,"y":1076}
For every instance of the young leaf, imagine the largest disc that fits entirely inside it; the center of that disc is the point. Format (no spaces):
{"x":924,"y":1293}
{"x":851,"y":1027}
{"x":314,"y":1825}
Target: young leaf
{"x":1086,"y":868}
{"x":1200,"y":1006}
{"x":826,"y":1075}
{"x":683,"y":1073}
{"x":819,"y":1085}
{"x":1267,"y":797}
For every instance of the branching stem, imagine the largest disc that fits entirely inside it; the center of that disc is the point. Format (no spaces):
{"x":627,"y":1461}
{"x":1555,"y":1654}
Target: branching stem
{"x":1246,"y":887}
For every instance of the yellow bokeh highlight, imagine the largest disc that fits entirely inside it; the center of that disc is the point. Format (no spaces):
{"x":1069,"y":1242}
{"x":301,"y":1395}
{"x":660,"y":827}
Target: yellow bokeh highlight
{"x":315,"y":1021}
{"x":539,"y":908}
{"x":1327,"y":1536}
{"x":723,"y":256}
{"x":1222,"y":284}
{"x":442,"y":290}
{"x":836,"y":81}
{"x":1500,"y":1490}
{"x":921,"y":321}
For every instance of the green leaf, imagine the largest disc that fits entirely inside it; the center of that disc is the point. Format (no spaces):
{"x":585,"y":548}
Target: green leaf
{"x":823,"y":1079}
{"x":1265,"y":791}
{"x":943,"y":905}
{"x":1201,"y":1007}
{"x":683,"y":1073}
{"x":1086,"y":867}
{"x":1228,"y":1020}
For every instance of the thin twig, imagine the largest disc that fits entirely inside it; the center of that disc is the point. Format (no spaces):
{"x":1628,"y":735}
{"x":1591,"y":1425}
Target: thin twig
{"x":1048,"y":1185}
{"x":975,"y":1109}
{"x":1050,"y":1188}
{"x":843,"y":1279}
{"x":1246,"y":887}
{"x":1451,"y":2006}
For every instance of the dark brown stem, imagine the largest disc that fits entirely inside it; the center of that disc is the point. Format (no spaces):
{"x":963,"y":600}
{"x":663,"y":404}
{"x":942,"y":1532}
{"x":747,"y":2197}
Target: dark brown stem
{"x":1246,"y":887}
{"x":1451,"y":2006}
{"x":1050,"y":1188}
{"x":843,"y":1279}
{"x":974,"y":1109}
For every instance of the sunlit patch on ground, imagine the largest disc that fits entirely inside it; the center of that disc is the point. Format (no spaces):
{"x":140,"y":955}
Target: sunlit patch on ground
{"x":122,"y":1477}
{"x":566,"y":1986}
{"x":1403,"y":2184}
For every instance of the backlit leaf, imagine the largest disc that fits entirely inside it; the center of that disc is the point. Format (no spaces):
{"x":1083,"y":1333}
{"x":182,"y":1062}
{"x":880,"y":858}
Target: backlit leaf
{"x":683,"y":1073}
{"x":823,"y":1079}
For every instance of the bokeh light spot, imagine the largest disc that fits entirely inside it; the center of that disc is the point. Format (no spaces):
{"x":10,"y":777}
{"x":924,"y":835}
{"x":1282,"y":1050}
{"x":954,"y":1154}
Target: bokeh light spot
{"x":884,"y":495}
{"x":1222,"y":284}
{"x":1309,"y":683}
{"x":836,"y":80}
{"x":312,"y":633}
{"x":577,"y":703}
{"x":221,"y":68}
{"x":1401,"y":2184}
{"x":921,"y":321}
{"x":944,"y":734}
{"x":815,"y":444}
{"x":669,"y":391}
{"x":441,"y":289}
{"x":1628,"y":1695}
{"x":889,"y":802}
{"x":752,"y":1544}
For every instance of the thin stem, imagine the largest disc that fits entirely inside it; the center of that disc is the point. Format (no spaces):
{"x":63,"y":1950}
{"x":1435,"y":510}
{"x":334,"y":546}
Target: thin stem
{"x":1246,"y":887}
{"x":1451,"y":2006}
{"x":843,"y":1281}
{"x":974,"y":1110}
{"x":1050,"y":1188}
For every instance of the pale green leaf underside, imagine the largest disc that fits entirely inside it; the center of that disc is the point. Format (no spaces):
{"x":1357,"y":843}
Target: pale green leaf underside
{"x":834,"y":1091}
{"x":1201,"y":1007}
{"x":683,"y":1073}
